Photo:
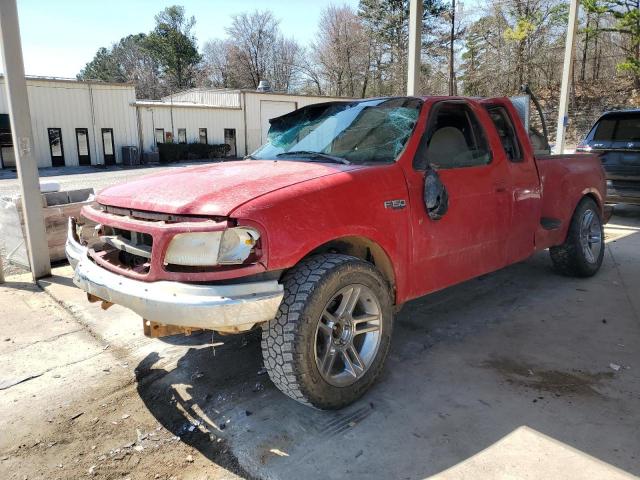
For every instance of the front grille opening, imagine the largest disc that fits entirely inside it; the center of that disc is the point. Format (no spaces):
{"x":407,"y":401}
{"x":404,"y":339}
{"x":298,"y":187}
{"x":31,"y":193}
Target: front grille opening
{"x":123,"y":260}
{"x":124,"y":249}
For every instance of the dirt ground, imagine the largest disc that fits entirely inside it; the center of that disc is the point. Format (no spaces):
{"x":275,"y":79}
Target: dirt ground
{"x":72,"y":406}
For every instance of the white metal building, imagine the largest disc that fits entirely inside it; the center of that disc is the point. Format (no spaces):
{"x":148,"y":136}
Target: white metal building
{"x":88,"y":123}
{"x":74,"y":123}
{"x":239,"y":118}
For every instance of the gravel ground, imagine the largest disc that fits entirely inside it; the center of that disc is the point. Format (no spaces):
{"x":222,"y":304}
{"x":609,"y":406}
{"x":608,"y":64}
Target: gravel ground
{"x":8,"y":267}
{"x":71,"y":178}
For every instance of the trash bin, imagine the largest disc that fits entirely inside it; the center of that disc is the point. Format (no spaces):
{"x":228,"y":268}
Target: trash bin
{"x":130,"y":155}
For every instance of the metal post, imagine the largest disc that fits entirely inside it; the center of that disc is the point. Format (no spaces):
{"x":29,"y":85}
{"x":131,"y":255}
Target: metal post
{"x":23,"y":140}
{"x":569,"y":49}
{"x":171,"y":112}
{"x":1,"y":271}
{"x":415,"y":46}
{"x":452,"y":78}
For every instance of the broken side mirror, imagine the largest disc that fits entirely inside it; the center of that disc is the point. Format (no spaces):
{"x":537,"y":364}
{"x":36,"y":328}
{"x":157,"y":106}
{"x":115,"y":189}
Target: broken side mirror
{"x":436,"y":199}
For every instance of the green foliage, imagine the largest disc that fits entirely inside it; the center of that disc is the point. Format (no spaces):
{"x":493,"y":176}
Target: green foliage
{"x":162,"y":61}
{"x":522,"y":29}
{"x":104,"y":67}
{"x":174,"y":46}
{"x":387,"y":25}
{"x":626,"y":15}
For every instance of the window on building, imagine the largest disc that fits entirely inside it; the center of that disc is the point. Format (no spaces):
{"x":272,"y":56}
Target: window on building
{"x":230,"y":139}
{"x":159,"y":135}
{"x":453,"y":139}
{"x":108,"y":146}
{"x":82,"y":142}
{"x":56,"y":147}
{"x":203,"y":135}
{"x":182,"y":135}
{"x":506,"y":132}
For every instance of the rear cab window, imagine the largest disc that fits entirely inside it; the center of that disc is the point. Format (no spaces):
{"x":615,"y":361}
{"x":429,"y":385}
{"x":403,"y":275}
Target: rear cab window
{"x":506,"y":131}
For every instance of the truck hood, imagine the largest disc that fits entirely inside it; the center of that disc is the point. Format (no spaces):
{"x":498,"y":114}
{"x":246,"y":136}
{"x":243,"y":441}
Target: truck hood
{"x":214,"y":190}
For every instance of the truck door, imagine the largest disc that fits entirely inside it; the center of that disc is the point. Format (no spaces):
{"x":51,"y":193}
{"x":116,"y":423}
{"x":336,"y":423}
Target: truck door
{"x":523,"y":182}
{"x":469,"y":239}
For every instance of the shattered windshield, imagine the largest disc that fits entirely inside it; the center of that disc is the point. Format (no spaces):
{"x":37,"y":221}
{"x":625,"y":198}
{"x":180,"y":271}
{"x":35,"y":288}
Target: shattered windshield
{"x":367,"y":131}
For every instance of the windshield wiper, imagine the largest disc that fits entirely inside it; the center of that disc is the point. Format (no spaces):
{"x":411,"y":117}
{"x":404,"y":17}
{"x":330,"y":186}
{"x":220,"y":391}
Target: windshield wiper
{"x":314,"y":155}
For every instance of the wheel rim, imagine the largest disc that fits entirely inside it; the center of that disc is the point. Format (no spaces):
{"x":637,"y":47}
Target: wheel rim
{"x":591,"y":236}
{"x":348,"y":335}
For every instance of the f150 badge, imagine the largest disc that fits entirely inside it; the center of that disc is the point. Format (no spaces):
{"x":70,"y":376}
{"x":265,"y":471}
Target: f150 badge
{"x":395,"y":204}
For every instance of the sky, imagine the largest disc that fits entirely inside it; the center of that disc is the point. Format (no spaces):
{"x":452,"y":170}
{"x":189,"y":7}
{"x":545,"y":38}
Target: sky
{"x":59,"y":38}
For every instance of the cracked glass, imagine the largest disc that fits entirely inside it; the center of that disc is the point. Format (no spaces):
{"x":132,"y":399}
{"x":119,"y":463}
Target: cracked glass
{"x":367,"y":131}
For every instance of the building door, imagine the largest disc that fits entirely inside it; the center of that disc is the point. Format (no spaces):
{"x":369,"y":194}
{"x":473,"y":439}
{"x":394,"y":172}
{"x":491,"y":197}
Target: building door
{"x":230,"y":139}
{"x":271,"y":109}
{"x":56,"y":147}
{"x":82,"y":141}
{"x":108,"y":148}
{"x":159,"y":136}
{"x":202,"y":135}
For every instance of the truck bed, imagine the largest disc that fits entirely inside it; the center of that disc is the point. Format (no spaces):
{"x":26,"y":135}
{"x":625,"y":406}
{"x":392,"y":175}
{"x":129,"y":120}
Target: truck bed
{"x":563,"y":179}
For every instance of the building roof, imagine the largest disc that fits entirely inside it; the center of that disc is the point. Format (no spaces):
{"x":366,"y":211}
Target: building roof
{"x":74,"y":80}
{"x":249,"y":90}
{"x":180,"y":104}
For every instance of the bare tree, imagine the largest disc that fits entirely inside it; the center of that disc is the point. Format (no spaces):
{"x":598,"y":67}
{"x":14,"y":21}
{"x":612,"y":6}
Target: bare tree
{"x":341,"y":52}
{"x":218,"y":63}
{"x":254,"y":35}
{"x":254,"y":50}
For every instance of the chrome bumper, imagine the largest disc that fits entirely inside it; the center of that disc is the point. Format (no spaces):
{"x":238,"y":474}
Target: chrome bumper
{"x":230,"y":307}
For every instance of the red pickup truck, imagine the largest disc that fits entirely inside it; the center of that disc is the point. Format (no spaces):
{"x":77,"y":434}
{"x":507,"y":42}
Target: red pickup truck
{"x":348,"y":211}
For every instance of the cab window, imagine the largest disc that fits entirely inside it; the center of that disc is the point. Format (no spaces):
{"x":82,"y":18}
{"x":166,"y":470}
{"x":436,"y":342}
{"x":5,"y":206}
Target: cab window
{"x":506,"y":132}
{"x":453,"y":139}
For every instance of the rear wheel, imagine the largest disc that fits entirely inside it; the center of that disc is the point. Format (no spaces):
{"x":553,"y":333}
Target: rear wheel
{"x":582,"y":252}
{"x":328,"y":343}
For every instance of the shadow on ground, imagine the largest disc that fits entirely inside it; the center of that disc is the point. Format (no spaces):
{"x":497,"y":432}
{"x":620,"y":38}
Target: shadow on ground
{"x":468,"y":366}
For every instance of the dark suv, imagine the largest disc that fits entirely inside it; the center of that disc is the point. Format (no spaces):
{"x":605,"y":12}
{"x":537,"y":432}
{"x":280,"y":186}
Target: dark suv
{"x":616,"y":137}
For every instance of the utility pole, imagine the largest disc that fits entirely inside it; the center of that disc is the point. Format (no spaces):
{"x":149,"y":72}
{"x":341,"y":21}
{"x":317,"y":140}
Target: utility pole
{"x":452,"y":78}
{"x":569,"y":49}
{"x":415,"y":46}
{"x":23,"y":140}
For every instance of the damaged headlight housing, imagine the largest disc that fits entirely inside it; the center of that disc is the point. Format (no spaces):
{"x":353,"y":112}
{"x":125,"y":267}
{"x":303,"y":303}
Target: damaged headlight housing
{"x":204,"y":249}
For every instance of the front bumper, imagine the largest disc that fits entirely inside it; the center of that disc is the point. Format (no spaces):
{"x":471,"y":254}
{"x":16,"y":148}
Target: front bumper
{"x":233,"y":307}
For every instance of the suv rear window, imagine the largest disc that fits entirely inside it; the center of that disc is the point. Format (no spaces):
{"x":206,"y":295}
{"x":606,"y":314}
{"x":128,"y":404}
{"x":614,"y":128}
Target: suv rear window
{"x":617,"y":128}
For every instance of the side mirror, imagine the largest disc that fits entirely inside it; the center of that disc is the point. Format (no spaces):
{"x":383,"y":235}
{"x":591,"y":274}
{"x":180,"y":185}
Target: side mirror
{"x":436,"y":199}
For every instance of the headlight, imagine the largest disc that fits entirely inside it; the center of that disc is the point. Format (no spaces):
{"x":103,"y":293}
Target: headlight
{"x":228,"y":247}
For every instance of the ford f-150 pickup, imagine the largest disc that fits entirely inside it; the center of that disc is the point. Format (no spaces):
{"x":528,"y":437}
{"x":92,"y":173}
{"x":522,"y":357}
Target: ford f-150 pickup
{"x":349,"y":210}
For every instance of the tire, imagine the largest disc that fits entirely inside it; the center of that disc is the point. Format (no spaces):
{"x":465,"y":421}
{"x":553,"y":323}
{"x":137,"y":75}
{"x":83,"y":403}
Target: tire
{"x":304,"y":350}
{"x":572,"y":258}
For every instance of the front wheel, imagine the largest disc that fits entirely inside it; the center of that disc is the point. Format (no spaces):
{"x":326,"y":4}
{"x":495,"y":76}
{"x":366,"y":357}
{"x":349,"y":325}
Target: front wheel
{"x":329,"y":340}
{"x":582,"y":252}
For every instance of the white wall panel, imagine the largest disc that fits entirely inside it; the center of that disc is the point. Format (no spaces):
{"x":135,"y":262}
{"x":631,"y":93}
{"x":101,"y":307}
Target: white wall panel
{"x":211,"y":97}
{"x":259,"y":104}
{"x":67,"y":105}
{"x":113,"y":108}
{"x":215,"y":120}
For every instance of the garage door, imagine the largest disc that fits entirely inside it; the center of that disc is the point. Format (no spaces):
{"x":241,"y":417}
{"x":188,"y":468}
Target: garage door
{"x":272,"y":109}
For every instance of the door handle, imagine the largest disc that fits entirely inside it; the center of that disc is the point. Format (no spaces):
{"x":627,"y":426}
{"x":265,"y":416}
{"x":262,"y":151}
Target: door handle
{"x":500,"y":186}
